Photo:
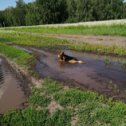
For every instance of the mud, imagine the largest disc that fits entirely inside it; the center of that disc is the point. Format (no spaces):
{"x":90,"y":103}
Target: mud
{"x":12,"y":93}
{"x":95,"y":74}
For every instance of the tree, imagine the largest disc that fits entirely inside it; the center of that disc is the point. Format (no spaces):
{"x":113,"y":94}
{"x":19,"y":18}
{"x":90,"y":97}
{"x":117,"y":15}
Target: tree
{"x":60,"y":11}
{"x":20,"y":12}
{"x":124,"y":10}
{"x":72,"y":8}
{"x":2,"y":19}
{"x":32,"y":16}
{"x":54,"y":11}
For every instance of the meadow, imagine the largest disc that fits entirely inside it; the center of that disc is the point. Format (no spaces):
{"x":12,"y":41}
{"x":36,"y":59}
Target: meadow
{"x":20,"y":57}
{"x":54,"y":104}
{"x":113,"y":30}
{"x":41,"y":41}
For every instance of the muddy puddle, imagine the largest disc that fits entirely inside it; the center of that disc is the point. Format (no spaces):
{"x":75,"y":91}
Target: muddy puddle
{"x":12,"y":95}
{"x":102,"y":74}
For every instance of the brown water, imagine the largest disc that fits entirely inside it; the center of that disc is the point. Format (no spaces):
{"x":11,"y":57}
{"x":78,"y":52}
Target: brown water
{"x":94,"y":74}
{"x":12,"y":95}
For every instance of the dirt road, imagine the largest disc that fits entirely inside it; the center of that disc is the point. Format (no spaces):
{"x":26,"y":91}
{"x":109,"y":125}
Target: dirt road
{"x":94,"y":74}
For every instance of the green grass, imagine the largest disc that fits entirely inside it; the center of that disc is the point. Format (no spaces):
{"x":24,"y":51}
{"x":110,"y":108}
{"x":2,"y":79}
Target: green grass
{"x":30,"y":40}
{"x":90,"y":108}
{"x":114,"y":30}
{"x":19,"y":56}
{"x":40,"y":41}
{"x":99,"y":49}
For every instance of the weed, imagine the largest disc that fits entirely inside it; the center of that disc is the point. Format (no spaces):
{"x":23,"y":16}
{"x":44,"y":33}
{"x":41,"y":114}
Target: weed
{"x":90,"y":108}
{"x":40,"y":41}
{"x":107,"y":61}
{"x":115,"y":29}
{"x":19,"y":56}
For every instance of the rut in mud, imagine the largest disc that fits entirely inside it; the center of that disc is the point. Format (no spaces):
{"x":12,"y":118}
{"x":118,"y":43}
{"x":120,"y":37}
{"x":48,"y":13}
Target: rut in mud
{"x":12,"y":93}
{"x":94,"y":74}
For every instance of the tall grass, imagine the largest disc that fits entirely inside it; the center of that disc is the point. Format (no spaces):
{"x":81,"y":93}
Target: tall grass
{"x":41,"y":41}
{"x":30,"y":40}
{"x":20,"y":57}
{"x":114,"y":30}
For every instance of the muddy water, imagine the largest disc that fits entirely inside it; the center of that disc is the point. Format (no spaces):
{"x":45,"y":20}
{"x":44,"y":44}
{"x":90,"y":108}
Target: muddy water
{"x":11,"y":93}
{"x":94,"y":74}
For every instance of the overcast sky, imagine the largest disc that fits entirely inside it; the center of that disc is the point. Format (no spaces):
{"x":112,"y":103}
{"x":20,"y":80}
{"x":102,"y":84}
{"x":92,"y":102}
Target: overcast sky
{"x":5,"y":3}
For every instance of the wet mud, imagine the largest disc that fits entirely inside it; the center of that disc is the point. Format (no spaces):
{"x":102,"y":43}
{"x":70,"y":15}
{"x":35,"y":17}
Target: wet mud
{"x":12,"y":92}
{"x":102,"y":74}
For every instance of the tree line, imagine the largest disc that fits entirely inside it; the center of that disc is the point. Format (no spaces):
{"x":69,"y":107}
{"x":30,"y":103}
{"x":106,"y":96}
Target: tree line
{"x":61,"y":11}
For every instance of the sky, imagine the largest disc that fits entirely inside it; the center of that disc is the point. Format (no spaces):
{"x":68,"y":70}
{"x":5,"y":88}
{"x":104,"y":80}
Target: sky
{"x":5,"y":3}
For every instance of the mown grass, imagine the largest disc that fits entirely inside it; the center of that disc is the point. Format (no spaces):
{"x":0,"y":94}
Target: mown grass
{"x":41,"y":41}
{"x":114,"y":30}
{"x":19,"y":56}
{"x":88,"y":108}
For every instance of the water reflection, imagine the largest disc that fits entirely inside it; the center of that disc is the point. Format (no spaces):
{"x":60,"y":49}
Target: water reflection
{"x":12,"y":94}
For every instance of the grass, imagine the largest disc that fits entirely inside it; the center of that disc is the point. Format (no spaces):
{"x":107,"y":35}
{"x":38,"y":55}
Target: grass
{"x":41,"y":41}
{"x":114,"y":30}
{"x":99,"y":49}
{"x":19,"y":56}
{"x":88,"y":107}
{"x":107,"y":61}
{"x":83,"y":108}
{"x":30,"y":40}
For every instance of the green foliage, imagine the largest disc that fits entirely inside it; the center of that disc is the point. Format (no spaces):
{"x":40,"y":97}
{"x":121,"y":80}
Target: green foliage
{"x":31,"y":40}
{"x":39,"y":100}
{"x":73,"y":97}
{"x":114,"y":30}
{"x":100,"y":49}
{"x":107,"y":61}
{"x":38,"y":40}
{"x":26,"y":117}
{"x":60,"y":11}
{"x":22,"y":58}
{"x":53,"y":11}
{"x":85,"y":106}
{"x":51,"y":87}
{"x":32,"y":17}
{"x":61,"y":118}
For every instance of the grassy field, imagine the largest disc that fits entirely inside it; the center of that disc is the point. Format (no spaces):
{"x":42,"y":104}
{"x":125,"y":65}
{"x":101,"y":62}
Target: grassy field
{"x":56,"y":105}
{"x":53,"y":104}
{"x":41,"y":41}
{"x":114,"y":30}
{"x":20,"y":57}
